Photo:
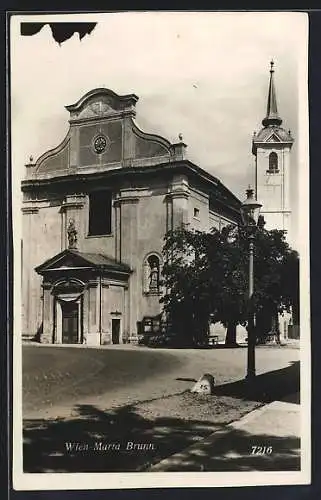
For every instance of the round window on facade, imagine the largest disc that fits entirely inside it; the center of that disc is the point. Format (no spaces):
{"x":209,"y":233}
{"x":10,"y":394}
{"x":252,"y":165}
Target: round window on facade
{"x":100,"y":144}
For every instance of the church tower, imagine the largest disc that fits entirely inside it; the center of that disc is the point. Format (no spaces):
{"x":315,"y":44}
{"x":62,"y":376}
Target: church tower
{"x":271,"y":147}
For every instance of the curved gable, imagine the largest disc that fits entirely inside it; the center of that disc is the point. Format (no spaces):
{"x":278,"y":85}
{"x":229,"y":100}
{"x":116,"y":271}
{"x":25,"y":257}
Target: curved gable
{"x":101,"y":102}
{"x":103,"y":135}
{"x":149,"y":145}
{"x":54,"y":161}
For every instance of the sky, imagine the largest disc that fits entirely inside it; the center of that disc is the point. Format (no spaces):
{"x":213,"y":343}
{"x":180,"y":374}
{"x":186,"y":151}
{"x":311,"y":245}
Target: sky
{"x":204,"y":75}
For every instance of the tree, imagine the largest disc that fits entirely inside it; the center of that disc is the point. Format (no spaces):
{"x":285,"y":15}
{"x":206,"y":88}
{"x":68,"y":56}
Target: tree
{"x":203,"y":275}
{"x":207,"y":274}
{"x":276,"y":280}
{"x":185,"y":271}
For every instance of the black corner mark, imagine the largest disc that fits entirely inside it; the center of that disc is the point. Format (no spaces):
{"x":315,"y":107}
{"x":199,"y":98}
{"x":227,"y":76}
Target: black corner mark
{"x":60,"y":31}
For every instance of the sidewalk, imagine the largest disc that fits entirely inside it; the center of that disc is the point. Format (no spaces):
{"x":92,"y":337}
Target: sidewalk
{"x":265,"y":439}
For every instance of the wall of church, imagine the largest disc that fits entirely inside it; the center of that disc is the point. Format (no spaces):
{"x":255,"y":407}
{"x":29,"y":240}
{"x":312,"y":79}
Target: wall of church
{"x":198,"y":210}
{"x":113,"y":307}
{"x":42,"y":225}
{"x":218,"y":221}
{"x":143,"y":226}
{"x":214,"y":220}
{"x":152,"y":224}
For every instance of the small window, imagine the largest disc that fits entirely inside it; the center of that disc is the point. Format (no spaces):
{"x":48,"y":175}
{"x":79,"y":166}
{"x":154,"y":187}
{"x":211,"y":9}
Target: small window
{"x":100,"y":212}
{"x":196,"y":212}
{"x":273,"y":163}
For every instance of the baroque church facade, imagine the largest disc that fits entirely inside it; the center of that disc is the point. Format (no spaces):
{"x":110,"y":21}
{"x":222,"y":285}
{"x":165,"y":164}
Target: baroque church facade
{"x":97,"y":207}
{"x":95,"y":212}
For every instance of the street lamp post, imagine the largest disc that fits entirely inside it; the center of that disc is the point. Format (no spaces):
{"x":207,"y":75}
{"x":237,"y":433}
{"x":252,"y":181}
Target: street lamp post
{"x":250,"y":210}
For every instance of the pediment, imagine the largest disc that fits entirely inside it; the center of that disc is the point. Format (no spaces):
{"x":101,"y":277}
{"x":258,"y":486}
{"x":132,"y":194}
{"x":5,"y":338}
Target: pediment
{"x":72,"y":259}
{"x":101,"y":102}
{"x":63,"y":261}
{"x":273,"y":138}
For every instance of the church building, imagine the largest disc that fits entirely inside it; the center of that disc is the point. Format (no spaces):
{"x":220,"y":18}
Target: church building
{"x":95,"y":212}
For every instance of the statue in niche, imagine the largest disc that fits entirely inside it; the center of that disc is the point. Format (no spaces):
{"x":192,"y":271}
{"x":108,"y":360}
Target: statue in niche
{"x":153,"y":279}
{"x":151,"y":276}
{"x":72,"y":235}
{"x":154,"y":274}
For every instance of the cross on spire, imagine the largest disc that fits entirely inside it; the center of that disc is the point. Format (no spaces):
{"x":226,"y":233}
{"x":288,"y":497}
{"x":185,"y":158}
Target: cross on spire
{"x":272,"y":116}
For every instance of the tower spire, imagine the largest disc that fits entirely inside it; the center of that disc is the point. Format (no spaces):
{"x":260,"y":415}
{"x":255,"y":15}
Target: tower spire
{"x":272,"y":116}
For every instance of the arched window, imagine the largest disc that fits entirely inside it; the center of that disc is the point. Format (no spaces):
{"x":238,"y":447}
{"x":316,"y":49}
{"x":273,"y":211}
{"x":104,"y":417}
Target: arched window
{"x":152,"y":274}
{"x":273,"y":163}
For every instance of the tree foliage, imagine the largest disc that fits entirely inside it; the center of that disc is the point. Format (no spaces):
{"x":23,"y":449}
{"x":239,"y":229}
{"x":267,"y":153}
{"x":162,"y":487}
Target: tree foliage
{"x":207,"y":274}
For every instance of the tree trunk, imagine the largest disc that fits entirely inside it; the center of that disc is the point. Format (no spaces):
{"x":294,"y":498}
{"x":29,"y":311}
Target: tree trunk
{"x":230,"y":339}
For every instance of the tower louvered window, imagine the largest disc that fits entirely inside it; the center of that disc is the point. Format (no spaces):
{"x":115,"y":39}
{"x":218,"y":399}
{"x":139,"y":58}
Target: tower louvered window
{"x":273,"y":163}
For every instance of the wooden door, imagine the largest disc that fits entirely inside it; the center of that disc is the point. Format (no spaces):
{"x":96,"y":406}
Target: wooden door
{"x":70,"y":322}
{"x":115,"y":330}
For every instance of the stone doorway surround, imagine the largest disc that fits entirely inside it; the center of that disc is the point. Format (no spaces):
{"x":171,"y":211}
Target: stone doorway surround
{"x":60,"y":302}
{"x":90,"y":281}
{"x":116,"y":330}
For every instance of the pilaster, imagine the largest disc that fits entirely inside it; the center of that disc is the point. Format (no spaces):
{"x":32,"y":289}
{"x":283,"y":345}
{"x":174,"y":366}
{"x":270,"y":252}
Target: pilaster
{"x":117,"y":212}
{"x":128,"y":253}
{"x":93,"y":335}
{"x":128,"y":140}
{"x":177,"y":202}
{"x":48,"y":316}
{"x":30,"y":305}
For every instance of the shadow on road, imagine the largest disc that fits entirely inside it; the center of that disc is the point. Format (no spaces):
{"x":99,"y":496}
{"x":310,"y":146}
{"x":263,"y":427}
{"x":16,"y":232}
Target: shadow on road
{"x":239,"y":451}
{"x":123,"y":440}
{"x":96,"y":433}
{"x":46,"y":441}
{"x":270,"y":386}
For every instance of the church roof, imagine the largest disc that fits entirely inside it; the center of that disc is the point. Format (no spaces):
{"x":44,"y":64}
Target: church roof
{"x":71,"y":259}
{"x":272,"y":130}
{"x":272,"y":116}
{"x":273,"y":133}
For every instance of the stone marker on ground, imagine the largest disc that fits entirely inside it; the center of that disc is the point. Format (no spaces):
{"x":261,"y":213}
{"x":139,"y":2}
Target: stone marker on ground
{"x":205,"y":385}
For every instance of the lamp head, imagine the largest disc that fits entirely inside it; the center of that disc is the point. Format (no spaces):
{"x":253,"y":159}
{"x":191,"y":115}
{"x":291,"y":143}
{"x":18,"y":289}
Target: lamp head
{"x":250,"y":209}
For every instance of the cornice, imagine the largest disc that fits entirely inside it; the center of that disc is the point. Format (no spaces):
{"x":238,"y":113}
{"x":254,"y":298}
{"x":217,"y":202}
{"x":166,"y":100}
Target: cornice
{"x":112,"y":115}
{"x":167,"y":169}
{"x":131,"y":99}
{"x":178,"y":194}
{"x":126,"y":199}
{"x":30,"y":210}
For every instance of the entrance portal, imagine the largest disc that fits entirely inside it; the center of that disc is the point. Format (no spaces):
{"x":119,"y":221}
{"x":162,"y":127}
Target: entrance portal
{"x":115,"y":330}
{"x":70,"y":317}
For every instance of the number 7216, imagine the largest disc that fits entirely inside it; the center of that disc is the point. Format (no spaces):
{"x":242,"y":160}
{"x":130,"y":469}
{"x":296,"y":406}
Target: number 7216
{"x":261,"y":450}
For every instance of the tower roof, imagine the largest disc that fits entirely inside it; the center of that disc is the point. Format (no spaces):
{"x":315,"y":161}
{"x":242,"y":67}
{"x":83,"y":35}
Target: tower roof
{"x":272,"y":116}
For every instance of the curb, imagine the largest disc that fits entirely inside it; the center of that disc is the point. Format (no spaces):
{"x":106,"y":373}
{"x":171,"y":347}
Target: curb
{"x":212,"y":438}
{"x":215,"y":436}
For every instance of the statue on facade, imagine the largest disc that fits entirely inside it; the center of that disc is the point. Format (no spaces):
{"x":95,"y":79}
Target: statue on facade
{"x":72,"y":235}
